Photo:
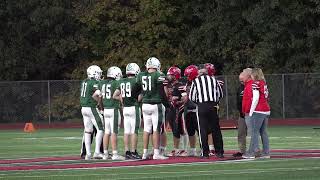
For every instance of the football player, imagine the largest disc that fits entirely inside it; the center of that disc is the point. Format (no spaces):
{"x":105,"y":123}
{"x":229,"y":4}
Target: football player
{"x":151,"y":85}
{"x":131,"y":110}
{"x":111,"y":113}
{"x":190,"y":116}
{"x":174,"y":113}
{"x":91,"y":105}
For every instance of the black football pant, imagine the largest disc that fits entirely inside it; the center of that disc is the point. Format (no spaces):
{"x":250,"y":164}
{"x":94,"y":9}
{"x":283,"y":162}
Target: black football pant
{"x":209,"y":123}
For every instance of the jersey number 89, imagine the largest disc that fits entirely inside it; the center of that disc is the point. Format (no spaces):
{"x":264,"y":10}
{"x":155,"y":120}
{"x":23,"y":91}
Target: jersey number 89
{"x":125,"y":89}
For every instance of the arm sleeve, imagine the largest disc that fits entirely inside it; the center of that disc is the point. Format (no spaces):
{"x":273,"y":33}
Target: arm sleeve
{"x":255,"y":100}
{"x":239,"y":98}
{"x":219,"y":89}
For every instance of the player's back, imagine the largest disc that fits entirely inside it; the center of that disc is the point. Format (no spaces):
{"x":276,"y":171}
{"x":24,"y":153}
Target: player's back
{"x":151,"y":84}
{"x":126,"y":86}
{"x":108,"y":87}
{"x":88,"y":86}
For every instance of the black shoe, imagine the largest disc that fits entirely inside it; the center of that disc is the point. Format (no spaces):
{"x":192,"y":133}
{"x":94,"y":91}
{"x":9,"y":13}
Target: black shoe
{"x":204,"y":156}
{"x":238,"y":154}
{"x":135,"y":155}
{"x":219,"y":155}
{"x":128,"y":155}
{"x":82,"y":156}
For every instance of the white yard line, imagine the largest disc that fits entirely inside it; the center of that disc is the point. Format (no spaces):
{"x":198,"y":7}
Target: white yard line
{"x":190,"y":173}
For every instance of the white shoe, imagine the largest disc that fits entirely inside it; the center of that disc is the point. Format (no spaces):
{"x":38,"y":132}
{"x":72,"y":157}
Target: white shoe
{"x":265,"y":156}
{"x":247,"y":156}
{"x":183,"y":153}
{"x":117,"y":157}
{"x":145,"y":156}
{"x":87,"y":157}
{"x":192,"y":153}
{"x":172,"y":153}
{"x":105,"y":156}
{"x":98,"y":156}
{"x":160,"y":157}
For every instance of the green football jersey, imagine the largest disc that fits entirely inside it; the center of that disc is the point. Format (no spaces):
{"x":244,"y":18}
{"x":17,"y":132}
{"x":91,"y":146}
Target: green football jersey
{"x":108,"y":87}
{"x":88,"y":87}
{"x":126,"y":88}
{"x":151,"y":84}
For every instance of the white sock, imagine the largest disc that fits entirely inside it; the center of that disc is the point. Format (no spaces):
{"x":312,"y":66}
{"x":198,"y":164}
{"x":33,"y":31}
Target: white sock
{"x":87,"y":142}
{"x":145,"y":151}
{"x":99,"y":137}
{"x":185,"y":141}
{"x":193,"y":149}
{"x":105,"y":152}
{"x":211,"y":147}
{"x":156,"y":151}
{"x":115,"y":152}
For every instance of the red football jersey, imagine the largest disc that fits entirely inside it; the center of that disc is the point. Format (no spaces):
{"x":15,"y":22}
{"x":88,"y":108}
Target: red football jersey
{"x":262,"y":87}
{"x":247,"y":97}
{"x":263,"y":104}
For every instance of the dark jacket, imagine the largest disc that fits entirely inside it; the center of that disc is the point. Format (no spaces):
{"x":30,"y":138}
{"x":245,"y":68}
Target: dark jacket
{"x":239,"y":99}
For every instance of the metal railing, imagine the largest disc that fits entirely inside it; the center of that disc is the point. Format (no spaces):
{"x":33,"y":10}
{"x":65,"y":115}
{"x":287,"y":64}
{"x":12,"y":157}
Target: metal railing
{"x":291,"y":96}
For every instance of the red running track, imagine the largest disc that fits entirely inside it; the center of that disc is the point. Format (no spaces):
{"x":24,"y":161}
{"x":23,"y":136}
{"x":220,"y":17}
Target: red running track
{"x":9,"y":165}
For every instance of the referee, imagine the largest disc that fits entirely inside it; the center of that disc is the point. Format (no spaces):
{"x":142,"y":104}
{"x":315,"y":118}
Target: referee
{"x":206,"y":92}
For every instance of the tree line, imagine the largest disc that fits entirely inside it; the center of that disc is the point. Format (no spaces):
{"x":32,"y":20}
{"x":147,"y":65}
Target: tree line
{"x":58,"y":39}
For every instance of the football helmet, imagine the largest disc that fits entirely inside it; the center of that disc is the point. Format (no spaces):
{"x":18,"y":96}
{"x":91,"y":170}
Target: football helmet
{"x":114,"y":72}
{"x":94,"y":72}
{"x":153,"y":63}
{"x":174,"y":71}
{"x":210,"y":68}
{"x":191,"y":72}
{"x":133,"y":69}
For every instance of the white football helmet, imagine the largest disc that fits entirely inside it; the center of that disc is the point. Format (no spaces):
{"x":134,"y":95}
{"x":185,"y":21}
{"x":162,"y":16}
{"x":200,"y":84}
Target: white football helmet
{"x":114,"y":72}
{"x":94,"y":71}
{"x":153,"y":63}
{"x":132,"y":68}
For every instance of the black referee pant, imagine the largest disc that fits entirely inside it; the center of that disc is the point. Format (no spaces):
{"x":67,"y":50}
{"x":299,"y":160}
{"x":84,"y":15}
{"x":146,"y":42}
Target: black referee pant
{"x":209,"y":123}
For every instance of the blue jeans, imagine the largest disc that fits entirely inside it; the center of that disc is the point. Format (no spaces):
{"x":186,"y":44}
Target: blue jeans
{"x":257,"y":125}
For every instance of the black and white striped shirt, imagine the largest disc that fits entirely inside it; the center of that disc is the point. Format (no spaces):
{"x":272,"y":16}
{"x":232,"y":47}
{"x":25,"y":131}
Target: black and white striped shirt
{"x":205,"y":89}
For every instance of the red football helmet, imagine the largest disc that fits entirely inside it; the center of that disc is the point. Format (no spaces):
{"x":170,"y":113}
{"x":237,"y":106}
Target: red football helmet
{"x":191,"y":72}
{"x":174,"y":71}
{"x":210,"y":68}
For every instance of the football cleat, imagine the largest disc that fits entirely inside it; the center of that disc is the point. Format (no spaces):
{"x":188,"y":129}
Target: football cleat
{"x":145,"y":156}
{"x":87,"y":157}
{"x":159,"y":157}
{"x":183,"y":153}
{"x":172,"y":153}
{"x":135,"y":155}
{"x":128,"y":155}
{"x":98,"y":156}
{"x":117,"y":157}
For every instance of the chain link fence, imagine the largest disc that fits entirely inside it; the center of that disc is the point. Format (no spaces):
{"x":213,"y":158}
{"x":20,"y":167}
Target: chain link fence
{"x":291,"y":96}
